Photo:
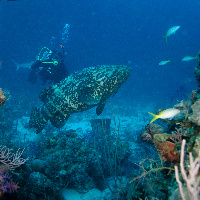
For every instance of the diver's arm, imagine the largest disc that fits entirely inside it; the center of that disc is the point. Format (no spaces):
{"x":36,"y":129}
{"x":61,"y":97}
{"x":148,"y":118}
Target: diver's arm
{"x":36,"y":64}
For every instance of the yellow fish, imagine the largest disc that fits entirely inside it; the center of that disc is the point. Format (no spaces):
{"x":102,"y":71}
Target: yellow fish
{"x":171,"y":31}
{"x":164,"y":62}
{"x":169,"y":113}
{"x":188,"y":58}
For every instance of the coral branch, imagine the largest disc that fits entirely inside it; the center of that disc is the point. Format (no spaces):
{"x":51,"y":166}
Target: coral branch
{"x":11,"y":160}
{"x":192,"y":180}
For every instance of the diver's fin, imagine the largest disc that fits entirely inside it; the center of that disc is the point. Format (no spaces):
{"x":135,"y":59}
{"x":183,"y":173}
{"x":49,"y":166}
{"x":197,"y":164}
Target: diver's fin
{"x":90,"y":96}
{"x":38,"y":119}
{"x":59,"y":120}
{"x":100,"y":108}
{"x":154,"y":117}
{"x":44,"y":95}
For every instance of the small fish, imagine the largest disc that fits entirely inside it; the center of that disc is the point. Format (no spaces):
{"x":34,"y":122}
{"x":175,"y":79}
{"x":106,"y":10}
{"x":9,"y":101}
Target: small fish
{"x":171,"y":31}
{"x":169,"y":113}
{"x":188,"y":58}
{"x":164,"y":62}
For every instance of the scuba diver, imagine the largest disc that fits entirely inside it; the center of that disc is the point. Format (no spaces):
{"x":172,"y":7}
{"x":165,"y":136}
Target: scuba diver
{"x":50,"y":68}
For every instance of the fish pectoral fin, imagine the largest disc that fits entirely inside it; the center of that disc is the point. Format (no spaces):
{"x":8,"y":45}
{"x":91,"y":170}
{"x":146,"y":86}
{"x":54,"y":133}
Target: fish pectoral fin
{"x":100,"y":108}
{"x":59,"y":120}
{"x":44,"y":95}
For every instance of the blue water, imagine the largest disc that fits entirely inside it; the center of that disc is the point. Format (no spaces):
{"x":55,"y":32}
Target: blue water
{"x":107,"y":32}
{"x":127,"y":32}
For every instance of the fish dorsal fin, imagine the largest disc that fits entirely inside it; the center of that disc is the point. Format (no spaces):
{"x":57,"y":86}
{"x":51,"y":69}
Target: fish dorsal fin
{"x":45,"y":94}
{"x":90,"y":95}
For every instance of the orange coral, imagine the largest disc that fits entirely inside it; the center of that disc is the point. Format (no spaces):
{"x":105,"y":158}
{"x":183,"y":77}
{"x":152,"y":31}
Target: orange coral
{"x":2,"y":97}
{"x":166,"y":150}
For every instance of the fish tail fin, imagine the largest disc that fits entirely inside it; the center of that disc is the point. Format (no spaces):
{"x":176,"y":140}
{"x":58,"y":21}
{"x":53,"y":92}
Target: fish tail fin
{"x":38,"y":119}
{"x":154,"y":117}
{"x":17,"y":65}
{"x":169,"y":60}
{"x":165,"y":38}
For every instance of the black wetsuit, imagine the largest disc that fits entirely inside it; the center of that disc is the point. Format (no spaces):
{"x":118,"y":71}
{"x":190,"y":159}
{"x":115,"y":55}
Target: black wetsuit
{"x":52,"y":70}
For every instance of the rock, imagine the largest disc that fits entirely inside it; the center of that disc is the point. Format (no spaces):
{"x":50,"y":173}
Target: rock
{"x":41,"y":186}
{"x":38,"y":165}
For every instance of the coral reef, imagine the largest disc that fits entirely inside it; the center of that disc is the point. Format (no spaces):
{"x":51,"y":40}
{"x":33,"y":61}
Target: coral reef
{"x":150,"y":131}
{"x":197,"y":73}
{"x":195,"y":116}
{"x":167,"y":151}
{"x":102,"y":162}
{"x":2,"y":97}
{"x":6,"y":184}
{"x":9,"y":162}
{"x":183,"y":126}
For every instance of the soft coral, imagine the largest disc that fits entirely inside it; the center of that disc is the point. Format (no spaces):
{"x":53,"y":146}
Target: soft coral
{"x":6,"y":184}
{"x":167,"y":151}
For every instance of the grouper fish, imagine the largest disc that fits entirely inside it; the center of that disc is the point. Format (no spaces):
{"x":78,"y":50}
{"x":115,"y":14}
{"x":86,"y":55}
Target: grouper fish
{"x":78,"y":92}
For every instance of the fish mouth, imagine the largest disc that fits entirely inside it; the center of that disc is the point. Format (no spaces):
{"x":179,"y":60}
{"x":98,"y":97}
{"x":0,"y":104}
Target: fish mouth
{"x":129,"y":70}
{"x":119,"y":75}
{"x":124,"y":72}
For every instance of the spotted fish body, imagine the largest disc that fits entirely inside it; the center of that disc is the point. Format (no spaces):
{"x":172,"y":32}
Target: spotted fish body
{"x":79,"y":92}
